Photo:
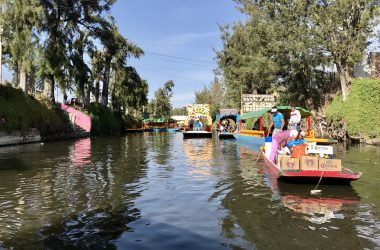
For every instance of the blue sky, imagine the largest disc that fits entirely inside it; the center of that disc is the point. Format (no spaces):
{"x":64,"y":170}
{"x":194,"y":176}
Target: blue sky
{"x":167,"y":29}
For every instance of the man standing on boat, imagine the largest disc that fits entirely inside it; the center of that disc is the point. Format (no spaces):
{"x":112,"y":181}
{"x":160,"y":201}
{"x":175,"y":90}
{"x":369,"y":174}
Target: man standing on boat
{"x":277,"y":121}
{"x":280,"y":140}
{"x":295,"y":118}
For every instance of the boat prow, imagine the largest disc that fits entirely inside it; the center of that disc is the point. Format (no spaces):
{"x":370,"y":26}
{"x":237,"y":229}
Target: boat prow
{"x":311,"y":176}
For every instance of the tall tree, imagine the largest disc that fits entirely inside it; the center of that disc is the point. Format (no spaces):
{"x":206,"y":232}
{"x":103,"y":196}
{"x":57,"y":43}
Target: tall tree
{"x":343,"y":28}
{"x":21,"y":19}
{"x":161,"y":106}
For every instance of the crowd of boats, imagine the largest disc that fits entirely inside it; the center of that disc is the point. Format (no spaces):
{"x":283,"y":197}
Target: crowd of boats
{"x":314,"y":160}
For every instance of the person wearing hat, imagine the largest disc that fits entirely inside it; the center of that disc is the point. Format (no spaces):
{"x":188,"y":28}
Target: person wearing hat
{"x":280,"y":140}
{"x":278,"y":121}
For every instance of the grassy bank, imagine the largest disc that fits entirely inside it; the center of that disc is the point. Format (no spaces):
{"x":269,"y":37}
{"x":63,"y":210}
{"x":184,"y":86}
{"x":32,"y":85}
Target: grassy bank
{"x":360,"y":111}
{"x":22,"y":113}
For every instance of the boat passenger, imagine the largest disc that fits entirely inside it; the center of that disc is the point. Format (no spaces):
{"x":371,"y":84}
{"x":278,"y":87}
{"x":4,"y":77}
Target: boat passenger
{"x":191,"y":124}
{"x":221,"y":128}
{"x":198,"y":125}
{"x":277,"y":121}
{"x":295,"y":118}
{"x":281,"y":139}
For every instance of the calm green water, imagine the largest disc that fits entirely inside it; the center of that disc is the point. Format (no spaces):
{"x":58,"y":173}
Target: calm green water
{"x":162,"y":192}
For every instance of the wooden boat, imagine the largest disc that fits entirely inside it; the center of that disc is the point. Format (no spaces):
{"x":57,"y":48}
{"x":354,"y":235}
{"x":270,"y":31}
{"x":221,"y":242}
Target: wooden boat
{"x":196,"y":134}
{"x":311,"y":176}
{"x":258,"y":119}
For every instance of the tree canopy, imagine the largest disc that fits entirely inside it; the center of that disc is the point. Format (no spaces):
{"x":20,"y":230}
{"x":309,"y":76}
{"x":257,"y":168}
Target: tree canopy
{"x":293,"y":48}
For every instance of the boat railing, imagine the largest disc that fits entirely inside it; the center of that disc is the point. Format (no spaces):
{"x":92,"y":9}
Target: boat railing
{"x":256,"y":133}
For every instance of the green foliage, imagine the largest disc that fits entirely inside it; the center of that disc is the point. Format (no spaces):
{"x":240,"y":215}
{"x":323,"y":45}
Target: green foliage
{"x":22,"y":113}
{"x":212,"y":95}
{"x":360,"y":110}
{"x":289,"y":47}
{"x":103,"y":120}
{"x":161,"y":106}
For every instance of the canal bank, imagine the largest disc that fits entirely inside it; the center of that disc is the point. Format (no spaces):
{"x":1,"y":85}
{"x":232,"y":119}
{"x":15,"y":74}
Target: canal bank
{"x":25,"y":119}
{"x":158,"y":191}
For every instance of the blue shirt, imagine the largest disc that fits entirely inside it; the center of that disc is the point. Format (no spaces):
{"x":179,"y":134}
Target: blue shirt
{"x":277,"y":120}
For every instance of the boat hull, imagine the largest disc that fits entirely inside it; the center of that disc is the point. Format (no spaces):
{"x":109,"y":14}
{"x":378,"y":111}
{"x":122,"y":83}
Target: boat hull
{"x":311,"y":176}
{"x":159,"y":130}
{"x":226,"y":136}
{"x":196,"y":134}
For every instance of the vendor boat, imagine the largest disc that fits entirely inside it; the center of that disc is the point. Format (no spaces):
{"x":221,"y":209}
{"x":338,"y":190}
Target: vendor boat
{"x":310,"y":176}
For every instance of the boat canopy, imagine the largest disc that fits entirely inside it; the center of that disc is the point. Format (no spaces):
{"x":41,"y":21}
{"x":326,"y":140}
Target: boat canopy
{"x":156,"y":120}
{"x":281,"y":109}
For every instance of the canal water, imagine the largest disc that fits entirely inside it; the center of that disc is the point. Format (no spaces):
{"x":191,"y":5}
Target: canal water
{"x":158,"y":191}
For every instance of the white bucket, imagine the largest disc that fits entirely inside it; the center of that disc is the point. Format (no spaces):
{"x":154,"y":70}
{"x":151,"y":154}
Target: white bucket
{"x":268,"y":148}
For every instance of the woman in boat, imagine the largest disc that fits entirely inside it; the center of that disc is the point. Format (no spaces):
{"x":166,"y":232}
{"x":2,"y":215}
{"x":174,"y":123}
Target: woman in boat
{"x":280,"y":140}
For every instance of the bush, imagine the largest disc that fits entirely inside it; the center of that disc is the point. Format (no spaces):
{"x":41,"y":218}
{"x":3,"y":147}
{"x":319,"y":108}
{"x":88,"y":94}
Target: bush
{"x":360,"y":111}
{"x":22,"y":113}
{"x":103,"y":120}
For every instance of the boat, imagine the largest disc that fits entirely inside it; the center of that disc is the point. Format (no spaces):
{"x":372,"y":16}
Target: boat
{"x":197,"y":112}
{"x":156,"y":125}
{"x":171,"y":130}
{"x":196,"y":134}
{"x":254,"y":124}
{"x":310,"y":176}
{"x":229,"y":119}
{"x":133,"y":130}
{"x":226,"y":135}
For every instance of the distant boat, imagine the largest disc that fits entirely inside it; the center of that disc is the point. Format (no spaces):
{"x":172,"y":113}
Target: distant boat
{"x":196,"y":134}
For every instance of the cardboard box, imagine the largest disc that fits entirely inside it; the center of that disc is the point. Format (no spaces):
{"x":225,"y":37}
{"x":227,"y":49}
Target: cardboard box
{"x":309,"y":163}
{"x":321,"y":155}
{"x":288,"y":163}
{"x":330,"y":165}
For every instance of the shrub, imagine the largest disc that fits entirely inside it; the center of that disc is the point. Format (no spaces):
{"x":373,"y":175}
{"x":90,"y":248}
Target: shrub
{"x":360,"y":111}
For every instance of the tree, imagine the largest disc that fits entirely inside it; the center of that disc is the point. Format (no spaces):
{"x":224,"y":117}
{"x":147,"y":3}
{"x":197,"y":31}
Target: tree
{"x":291,"y":46}
{"x":21,"y":20}
{"x":343,"y":28}
{"x":160,"y":106}
{"x":212,"y":95}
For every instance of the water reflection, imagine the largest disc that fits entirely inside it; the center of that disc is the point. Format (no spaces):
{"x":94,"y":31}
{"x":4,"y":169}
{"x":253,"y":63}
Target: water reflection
{"x":199,"y":156}
{"x":81,"y":152}
{"x":52,"y":204}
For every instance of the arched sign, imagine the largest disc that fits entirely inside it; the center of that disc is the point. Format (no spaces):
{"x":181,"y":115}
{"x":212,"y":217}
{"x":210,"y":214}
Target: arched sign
{"x":198,"y":111}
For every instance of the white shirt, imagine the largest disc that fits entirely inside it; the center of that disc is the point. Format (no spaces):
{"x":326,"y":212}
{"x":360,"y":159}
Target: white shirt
{"x":295,"y":117}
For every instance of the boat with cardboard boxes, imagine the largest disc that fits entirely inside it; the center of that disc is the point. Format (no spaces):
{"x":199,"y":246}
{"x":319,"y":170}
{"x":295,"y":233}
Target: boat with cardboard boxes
{"x":308,"y":163}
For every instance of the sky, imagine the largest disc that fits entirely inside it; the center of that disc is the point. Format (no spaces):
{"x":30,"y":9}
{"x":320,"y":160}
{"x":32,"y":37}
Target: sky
{"x":178,"y":38}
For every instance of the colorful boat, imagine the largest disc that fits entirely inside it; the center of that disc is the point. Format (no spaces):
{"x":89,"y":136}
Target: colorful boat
{"x":253,"y":126}
{"x":197,"y":112}
{"x":310,"y":176}
{"x":156,"y":125}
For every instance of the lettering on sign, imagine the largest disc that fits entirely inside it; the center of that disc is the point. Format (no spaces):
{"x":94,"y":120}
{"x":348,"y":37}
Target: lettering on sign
{"x":251,"y":102}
